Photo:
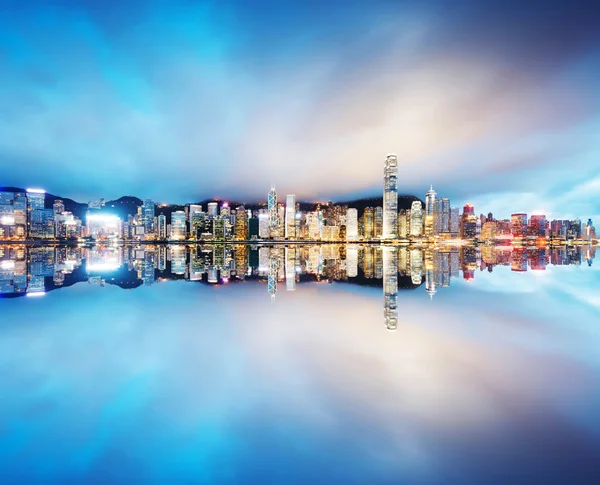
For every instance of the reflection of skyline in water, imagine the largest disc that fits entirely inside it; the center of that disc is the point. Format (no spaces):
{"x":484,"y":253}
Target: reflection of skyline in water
{"x":33,"y":271}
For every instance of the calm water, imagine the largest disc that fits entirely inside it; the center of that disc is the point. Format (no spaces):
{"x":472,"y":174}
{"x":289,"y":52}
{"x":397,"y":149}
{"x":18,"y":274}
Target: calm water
{"x":300,"y":365}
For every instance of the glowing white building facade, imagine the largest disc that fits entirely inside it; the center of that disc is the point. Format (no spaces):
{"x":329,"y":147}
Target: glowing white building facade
{"x":390,"y":198}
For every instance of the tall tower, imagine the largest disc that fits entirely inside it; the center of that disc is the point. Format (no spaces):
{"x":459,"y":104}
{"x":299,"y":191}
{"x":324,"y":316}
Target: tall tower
{"x":272,"y":212}
{"x":390,"y":198}
{"x":429,"y":222}
{"x":290,"y":216}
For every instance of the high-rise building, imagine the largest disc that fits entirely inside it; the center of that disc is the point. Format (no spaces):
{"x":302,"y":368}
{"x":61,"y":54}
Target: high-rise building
{"x":537,"y":226}
{"x":36,"y":201}
{"x":241,"y":224}
{"x":369,"y":223}
{"x":290,"y":216}
{"x":41,"y":224}
{"x":193,"y":209}
{"x":390,"y":198}
{"x":468,"y":223}
{"x":430,"y":205}
{"x":454,"y":222}
{"x":58,"y":207}
{"x":378,"y":222}
{"x":148,"y":216}
{"x":273,"y":214}
{"x":441,"y":217}
{"x":351,"y":225}
{"x":403,"y":223}
{"x":162,"y":226}
{"x":213,"y":209}
{"x":518,"y":225}
{"x":263,"y":223}
{"x":416,"y":219}
{"x":178,"y":228}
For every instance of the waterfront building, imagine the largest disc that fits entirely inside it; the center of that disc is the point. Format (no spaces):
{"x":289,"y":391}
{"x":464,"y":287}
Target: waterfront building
{"x":416,"y":219}
{"x":290,"y":216}
{"x":537,"y":226}
{"x":468,"y":223}
{"x":263,"y":223}
{"x":213,"y":209}
{"x":518,"y":225}
{"x":147,"y":219}
{"x":390,"y":198}
{"x":369,"y":223}
{"x":403,"y":223}
{"x":428,"y":219}
{"x":352,"y":225}
{"x":178,"y":227}
{"x":162,"y":226}
{"x":273,"y":213}
{"x":241,"y":224}
{"x":378,"y":222}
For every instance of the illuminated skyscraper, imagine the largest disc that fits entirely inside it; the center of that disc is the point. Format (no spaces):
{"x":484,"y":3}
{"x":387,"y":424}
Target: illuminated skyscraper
{"x":369,"y":222}
{"x":378,"y":222}
{"x":390,"y":287}
{"x":428,"y":220}
{"x":390,"y":198}
{"x":416,"y":219}
{"x":58,"y":207}
{"x":263,"y":223}
{"x":213,"y":209}
{"x":468,"y":227}
{"x":290,"y":217}
{"x":518,"y":225}
{"x":272,"y":211}
{"x":178,"y":231}
{"x":241,"y":224}
{"x":162,"y":226}
{"x":351,"y":225}
{"x":537,"y":226}
{"x":148,"y":216}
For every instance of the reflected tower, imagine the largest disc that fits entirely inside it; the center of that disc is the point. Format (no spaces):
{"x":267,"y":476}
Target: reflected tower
{"x":390,"y":198}
{"x":390,"y":287}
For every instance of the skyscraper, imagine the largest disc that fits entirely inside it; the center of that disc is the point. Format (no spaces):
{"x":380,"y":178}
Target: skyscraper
{"x":290,"y":216}
{"x":178,"y":225}
{"x":213,"y":209}
{"x":351,"y":225}
{"x":378,"y":222}
{"x":518,"y":225}
{"x":468,"y":223}
{"x":272,"y":212}
{"x":162,"y":226}
{"x":241,"y":224}
{"x":430,"y":205}
{"x":148,"y":216}
{"x":416,"y":219}
{"x":390,"y":198}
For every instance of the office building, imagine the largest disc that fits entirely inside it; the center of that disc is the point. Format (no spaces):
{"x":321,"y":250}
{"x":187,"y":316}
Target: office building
{"x":390,"y":198}
{"x":178,"y":227}
{"x":351,"y":225}
{"x":290,"y":217}
{"x":416,"y":219}
{"x":518,"y":225}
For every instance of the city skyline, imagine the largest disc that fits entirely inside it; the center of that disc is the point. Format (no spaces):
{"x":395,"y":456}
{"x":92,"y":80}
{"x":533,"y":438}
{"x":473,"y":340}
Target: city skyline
{"x":26,"y":215}
{"x":93,"y":108}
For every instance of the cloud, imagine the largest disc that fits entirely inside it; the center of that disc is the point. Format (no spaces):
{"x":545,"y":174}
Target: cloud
{"x":179,"y":102}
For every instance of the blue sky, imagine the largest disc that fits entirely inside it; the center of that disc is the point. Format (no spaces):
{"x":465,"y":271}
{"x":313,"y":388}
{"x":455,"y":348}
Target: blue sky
{"x":495,"y":103}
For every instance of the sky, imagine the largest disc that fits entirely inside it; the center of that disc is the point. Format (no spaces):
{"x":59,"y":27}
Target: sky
{"x":495,"y":103}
